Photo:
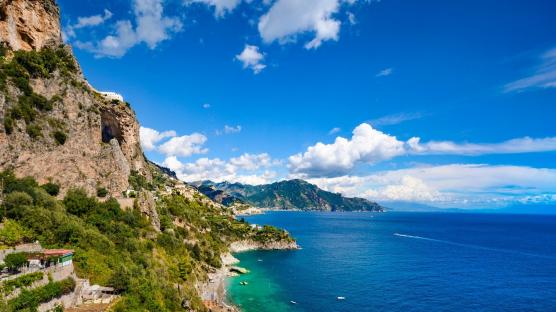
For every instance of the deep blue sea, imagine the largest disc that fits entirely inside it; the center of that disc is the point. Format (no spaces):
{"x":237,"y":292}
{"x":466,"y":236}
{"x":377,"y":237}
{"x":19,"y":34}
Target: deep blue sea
{"x":403,"y":262}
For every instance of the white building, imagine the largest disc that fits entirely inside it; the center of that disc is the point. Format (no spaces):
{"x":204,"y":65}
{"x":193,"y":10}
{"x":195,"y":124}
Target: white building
{"x":112,"y":96}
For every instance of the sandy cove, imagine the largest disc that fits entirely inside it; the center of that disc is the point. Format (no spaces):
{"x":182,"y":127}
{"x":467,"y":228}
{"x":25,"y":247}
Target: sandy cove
{"x":213,"y":291}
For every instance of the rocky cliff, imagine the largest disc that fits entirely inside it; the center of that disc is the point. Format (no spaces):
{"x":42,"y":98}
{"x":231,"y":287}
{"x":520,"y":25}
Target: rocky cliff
{"x":56,"y":126}
{"x":29,"y":24}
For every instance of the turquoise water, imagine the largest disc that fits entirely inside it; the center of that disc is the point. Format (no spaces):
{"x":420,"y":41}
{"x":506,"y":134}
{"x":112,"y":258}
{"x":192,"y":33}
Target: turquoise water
{"x":403,"y":262}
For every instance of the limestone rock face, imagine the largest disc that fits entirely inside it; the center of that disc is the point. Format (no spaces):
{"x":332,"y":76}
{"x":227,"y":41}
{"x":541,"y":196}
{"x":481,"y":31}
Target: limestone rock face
{"x":30,"y":24}
{"x":102,"y":145}
{"x":147,"y":205}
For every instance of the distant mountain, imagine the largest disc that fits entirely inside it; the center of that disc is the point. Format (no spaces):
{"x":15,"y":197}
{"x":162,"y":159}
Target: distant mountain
{"x":291,"y":194}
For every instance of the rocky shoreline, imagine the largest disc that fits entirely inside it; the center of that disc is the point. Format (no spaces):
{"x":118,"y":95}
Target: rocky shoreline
{"x":213,"y":291}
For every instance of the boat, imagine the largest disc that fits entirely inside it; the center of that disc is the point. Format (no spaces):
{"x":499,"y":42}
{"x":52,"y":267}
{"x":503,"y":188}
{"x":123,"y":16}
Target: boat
{"x":293,"y":302}
{"x":243,"y":283}
{"x":341,"y":298}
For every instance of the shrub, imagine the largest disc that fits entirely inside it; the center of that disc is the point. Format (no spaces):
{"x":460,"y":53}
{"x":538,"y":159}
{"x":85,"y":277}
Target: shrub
{"x":14,"y":233}
{"x":15,"y":203}
{"x":34,"y":131}
{"x":60,"y":137}
{"x":52,"y":189}
{"x":78,"y":203}
{"x":14,"y":261}
{"x":102,"y":192}
{"x":8,"y":124}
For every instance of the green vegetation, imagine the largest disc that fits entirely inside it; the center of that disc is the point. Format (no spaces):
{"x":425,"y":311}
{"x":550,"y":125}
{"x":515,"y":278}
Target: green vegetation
{"x":51,"y":188}
{"x":120,"y":248}
{"x":14,"y":233}
{"x":34,"y":131}
{"x":24,"y":66}
{"x":102,"y":192}
{"x":21,"y":281}
{"x":60,"y":137}
{"x":29,"y":300}
{"x":138,"y":182}
{"x":15,"y":261}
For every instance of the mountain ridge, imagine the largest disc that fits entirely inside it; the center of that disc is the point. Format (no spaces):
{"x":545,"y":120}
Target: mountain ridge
{"x":293,"y":194}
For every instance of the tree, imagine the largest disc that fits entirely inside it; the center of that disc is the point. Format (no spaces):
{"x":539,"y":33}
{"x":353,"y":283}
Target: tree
{"x":14,"y":261}
{"x":52,"y":189}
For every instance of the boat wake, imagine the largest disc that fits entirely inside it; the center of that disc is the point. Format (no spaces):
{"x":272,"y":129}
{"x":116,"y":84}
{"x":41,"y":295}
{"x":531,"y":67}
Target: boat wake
{"x":475,"y":246}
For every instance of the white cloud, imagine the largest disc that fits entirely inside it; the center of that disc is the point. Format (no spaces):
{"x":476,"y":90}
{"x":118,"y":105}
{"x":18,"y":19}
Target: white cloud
{"x":455,"y":185}
{"x":229,"y":130}
{"x":395,"y":119}
{"x":150,"y":137}
{"x":252,"y":58}
{"x":351,"y":18}
{"x":334,"y":131}
{"x":88,"y":21}
{"x":253,"y":161}
{"x":151,"y":27}
{"x":288,"y":18}
{"x":543,"y":77}
{"x":385,"y":72}
{"x":184,"y":146}
{"x":513,"y":146}
{"x":94,"y":20}
{"x":221,"y":7}
{"x":368,"y":145}
{"x":243,"y":169}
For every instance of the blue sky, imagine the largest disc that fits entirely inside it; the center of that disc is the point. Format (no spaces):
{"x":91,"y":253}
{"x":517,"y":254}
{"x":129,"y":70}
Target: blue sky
{"x":448,"y":103}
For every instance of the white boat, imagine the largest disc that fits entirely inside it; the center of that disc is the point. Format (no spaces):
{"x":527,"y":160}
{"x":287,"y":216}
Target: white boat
{"x":341,"y":298}
{"x":293,"y":302}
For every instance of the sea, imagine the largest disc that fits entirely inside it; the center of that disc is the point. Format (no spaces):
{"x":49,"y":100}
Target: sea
{"x":398,"y":261}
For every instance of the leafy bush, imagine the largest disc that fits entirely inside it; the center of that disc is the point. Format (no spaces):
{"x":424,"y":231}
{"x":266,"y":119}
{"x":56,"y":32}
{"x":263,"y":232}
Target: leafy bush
{"x":60,"y":137}
{"x":21,"y":281}
{"x":52,"y":189}
{"x":78,"y":203}
{"x":34,"y":131}
{"x":8,"y":124}
{"x":14,"y":261}
{"x":15,"y":203}
{"x":14,"y":233}
{"x":102,"y":192}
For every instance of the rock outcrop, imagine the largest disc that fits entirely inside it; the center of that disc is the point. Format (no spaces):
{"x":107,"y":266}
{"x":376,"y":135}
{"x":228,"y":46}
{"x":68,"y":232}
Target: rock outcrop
{"x":30,"y":24}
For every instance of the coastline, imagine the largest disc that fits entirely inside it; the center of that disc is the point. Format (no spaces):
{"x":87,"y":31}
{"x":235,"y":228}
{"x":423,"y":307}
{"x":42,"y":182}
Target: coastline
{"x":213,"y":291}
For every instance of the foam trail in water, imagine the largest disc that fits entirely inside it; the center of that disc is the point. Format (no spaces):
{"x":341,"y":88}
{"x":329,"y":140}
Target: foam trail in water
{"x":474,"y":246}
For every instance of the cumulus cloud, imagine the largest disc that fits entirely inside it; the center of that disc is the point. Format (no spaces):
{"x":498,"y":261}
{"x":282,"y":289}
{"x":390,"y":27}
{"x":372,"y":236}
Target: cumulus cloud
{"x":544,"y":76}
{"x":150,"y":137}
{"x":385,"y":72}
{"x":243,"y":169}
{"x":252,"y":58}
{"x":221,"y":7}
{"x":151,"y":27}
{"x":369,"y":146}
{"x":450,"y":185}
{"x":184,"y":146}
{"x":288,"y":18}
